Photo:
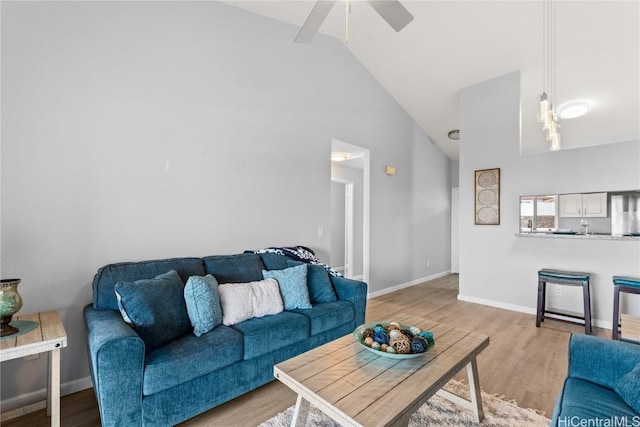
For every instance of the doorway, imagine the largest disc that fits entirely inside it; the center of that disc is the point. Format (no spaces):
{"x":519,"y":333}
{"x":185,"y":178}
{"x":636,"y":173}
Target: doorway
{"x":350,"y":210}
{"x":342,"y":228}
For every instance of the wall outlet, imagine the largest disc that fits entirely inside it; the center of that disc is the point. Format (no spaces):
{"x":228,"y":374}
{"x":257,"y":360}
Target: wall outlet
{"x":320,"y":231}
{"x":428,"y":263}
{"x":558,"y":291}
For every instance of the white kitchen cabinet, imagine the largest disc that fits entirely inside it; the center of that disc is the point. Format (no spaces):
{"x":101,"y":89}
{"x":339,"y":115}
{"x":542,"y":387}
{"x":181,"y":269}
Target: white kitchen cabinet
{"x":586,"y":205}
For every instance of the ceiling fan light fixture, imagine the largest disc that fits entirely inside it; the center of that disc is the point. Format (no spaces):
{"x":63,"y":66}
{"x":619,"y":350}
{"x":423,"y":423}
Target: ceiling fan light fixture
{"x":392,"y":11}
{"x":574,"y":109}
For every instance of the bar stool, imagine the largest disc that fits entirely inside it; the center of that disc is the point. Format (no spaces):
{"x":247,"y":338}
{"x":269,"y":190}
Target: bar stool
{"x":569,"y":278}
{"x":621,"y":284}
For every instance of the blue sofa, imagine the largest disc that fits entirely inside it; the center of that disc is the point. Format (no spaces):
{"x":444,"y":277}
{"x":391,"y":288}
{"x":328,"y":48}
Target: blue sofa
{"x":602,"y":386}
{"x":190,"y":375}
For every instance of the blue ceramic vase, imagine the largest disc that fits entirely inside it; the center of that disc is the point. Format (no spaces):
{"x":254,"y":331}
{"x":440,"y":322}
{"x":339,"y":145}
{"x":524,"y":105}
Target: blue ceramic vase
{"x":10,"y":304}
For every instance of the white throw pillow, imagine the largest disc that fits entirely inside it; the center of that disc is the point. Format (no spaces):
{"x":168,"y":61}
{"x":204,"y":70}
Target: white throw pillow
{"x":236,"y":301}
{"x":242,"y":301}
{"x":266,"y":298}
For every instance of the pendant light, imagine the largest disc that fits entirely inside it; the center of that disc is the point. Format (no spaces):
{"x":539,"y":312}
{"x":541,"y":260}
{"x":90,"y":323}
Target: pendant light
{"x":546,"y":112}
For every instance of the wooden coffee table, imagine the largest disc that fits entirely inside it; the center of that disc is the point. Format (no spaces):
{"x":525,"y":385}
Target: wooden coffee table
{"x":356,"y":387}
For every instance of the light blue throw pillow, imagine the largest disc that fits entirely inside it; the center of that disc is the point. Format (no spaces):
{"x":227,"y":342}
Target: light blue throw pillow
{"x":628,"y":387}
{"x":293,"y":286}
{"x":155,"y":308}
{"x":203,"y":303}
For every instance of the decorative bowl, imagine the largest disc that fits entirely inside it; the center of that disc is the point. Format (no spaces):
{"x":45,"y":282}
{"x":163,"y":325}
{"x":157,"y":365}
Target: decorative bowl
{"x":358,"y":337}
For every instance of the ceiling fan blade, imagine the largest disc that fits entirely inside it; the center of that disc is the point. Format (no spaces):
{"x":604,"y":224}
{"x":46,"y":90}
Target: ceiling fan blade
{"x":313,"y":22}
{"x":393,"y":12}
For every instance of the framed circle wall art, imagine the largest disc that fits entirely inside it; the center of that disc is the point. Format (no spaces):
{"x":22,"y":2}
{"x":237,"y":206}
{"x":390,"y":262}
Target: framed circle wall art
{"x":487,"y":197}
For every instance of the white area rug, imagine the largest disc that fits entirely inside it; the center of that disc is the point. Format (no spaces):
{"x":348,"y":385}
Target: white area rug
{"x":441,"y":412}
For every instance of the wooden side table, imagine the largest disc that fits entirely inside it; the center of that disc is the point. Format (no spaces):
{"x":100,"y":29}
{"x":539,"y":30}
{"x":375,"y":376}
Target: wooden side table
{"x":49,"y":336}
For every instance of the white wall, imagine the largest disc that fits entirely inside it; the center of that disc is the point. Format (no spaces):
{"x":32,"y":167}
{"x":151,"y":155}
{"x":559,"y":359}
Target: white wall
{"x":498,"y":268}
{"x":141,"y":130}
{"x":455,"y":173}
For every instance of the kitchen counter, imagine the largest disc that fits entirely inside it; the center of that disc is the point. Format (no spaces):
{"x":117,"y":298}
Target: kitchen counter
{"x":579,"y":236}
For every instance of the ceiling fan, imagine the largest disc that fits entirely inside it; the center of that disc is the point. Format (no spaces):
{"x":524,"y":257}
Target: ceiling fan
{"x":396,"y":15}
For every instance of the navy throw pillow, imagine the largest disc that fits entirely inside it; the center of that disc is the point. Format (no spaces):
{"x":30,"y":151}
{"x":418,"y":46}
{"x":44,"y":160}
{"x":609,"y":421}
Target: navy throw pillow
{"x":155,"y":308}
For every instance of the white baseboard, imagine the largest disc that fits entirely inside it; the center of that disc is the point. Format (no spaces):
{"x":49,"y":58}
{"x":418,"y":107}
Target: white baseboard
{"x":407,"y":285}
{"x":522,"y":309}
{"x":30,"y":398}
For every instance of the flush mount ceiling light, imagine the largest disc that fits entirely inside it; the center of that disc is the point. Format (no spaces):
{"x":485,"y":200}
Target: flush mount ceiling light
{"x":339,"y":157}
{"x":454,"y":134}
{"x":574,"y":109}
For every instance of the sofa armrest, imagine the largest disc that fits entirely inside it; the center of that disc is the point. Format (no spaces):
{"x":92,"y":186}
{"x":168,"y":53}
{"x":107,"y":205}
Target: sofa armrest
{"x":599,"y":360}
{"x":354,"y":291}
{"x":116,"y":359}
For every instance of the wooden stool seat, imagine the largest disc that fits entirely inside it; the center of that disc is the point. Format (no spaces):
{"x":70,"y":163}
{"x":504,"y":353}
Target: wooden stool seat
{"x":629,"y":285}
{"x":568,"y":278}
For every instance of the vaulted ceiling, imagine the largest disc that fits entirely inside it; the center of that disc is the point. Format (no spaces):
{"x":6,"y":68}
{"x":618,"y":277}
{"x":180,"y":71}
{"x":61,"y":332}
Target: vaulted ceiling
{"x":453,"y":44}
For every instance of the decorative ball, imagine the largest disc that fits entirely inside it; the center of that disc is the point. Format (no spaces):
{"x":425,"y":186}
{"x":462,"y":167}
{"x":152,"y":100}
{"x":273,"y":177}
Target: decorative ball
{"x":375,"y":345}
{"x":394,"y":324}
{"x":383,"y":347}
{"x":418,"y":345}
{"x":381,"y":337}
{"x":407,"y":333}
{"x":367,"y":333}
{"x":401,"y":344}
{"x":391,"y":349}
{"x":428,"y":335}
{"x":378,"y":328}
{"x":394,"y":333}
{"x":415,"y":330}
{"x":368,"y":341}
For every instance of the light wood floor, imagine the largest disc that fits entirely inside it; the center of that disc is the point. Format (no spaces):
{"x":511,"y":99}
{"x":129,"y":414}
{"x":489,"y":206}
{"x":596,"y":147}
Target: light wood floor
{"x":522,"y":363}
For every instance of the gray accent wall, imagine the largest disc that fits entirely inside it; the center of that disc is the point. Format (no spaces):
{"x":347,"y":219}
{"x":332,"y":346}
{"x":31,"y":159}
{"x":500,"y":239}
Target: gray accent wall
{"x":496,"y":267}
{"x":144,"y":130}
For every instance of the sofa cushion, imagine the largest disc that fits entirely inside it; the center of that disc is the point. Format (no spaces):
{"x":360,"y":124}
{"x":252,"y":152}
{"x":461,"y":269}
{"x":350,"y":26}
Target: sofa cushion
{"x":293,"y":286}
{"x":583,"y":400}
{"x":318,"y":282}
{"x":155,"y":308}
{"x":203,"y":303}
{"x":190,"y":357}
{"x":273,"y":261}
{"x":241,"y":268}
{"x":328,"y":315}
{"x":628,"y":388}
{"x":265,"y":334}
{"x":105,"y":279}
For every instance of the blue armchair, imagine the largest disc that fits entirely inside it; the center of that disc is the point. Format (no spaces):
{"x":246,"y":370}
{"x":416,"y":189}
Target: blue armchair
{"x":602,"y":385}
